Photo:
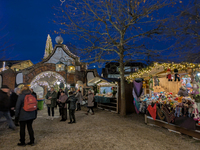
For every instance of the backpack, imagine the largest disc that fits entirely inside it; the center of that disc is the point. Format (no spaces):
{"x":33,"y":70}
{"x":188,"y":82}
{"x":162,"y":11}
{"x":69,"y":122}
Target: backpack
{"x":30,"y":103}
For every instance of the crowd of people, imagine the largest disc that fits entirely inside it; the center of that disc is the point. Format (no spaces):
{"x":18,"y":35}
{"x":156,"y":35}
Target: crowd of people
{"x":12,"y":105}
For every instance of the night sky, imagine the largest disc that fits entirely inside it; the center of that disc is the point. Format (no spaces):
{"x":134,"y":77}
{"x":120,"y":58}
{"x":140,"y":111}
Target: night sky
{"x":26,"y":24}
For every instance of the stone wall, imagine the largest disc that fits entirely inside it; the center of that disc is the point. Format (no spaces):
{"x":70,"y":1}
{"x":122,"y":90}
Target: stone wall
{"x":37,"y":69}
{"x":9,"y":78}
{"x":28,"y":75}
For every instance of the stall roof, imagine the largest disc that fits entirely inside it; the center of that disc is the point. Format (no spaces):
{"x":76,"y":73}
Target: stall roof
{"x":160,"y":68}
{"x":99,"y":80}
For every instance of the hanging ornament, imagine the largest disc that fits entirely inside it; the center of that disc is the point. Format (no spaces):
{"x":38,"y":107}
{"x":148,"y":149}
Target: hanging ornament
{"x":177,"y":76}
{"x":150,"y":83}
{"x":169,"y":76}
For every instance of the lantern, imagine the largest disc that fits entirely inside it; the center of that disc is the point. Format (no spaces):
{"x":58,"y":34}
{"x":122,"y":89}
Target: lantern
{"x":60,"y":66}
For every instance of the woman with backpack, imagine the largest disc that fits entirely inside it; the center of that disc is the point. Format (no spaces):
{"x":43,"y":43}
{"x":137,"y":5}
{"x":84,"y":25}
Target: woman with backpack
{"x":26,"y":116}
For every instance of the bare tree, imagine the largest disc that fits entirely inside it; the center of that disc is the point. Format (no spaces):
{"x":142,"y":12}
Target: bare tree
{"x":115,"y":30}
{"x":4,"y":45}
{"x":186,"y":28}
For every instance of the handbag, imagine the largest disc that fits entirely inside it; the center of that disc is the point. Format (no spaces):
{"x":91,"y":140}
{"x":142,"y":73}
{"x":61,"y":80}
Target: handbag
{"x":47,"y":101}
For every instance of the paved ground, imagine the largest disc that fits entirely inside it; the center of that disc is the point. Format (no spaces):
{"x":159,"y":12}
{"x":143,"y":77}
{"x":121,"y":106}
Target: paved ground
{"x":102,"y":131}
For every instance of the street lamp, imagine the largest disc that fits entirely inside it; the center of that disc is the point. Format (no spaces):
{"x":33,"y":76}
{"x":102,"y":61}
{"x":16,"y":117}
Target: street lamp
{"x":60,"y":66}
{"x":70,"y":67}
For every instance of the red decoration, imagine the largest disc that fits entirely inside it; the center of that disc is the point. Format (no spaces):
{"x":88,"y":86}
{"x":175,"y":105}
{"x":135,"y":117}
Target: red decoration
{"x":152,"y":111}
{"x":169,"y":76}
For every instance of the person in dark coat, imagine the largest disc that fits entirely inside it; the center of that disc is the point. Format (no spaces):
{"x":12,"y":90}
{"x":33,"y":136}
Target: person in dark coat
{"x":51,"y":95}
{"x":90,"y":102}
{"x":57,"y":103}
{"x":13,"y":100}
{"x":71,"y":100}
{"x":63,"y":105}
{"x":25,"y":117}
{"x":33,"y":93}
{"x":80,"y":99}
{"x":5,"y":105}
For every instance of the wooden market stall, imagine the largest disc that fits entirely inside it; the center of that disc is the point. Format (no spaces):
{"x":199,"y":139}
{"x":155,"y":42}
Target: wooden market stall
{"x":156,"y":80}
{"x":107,"y":95}
{"x":160,"y":71}
{"x":108,"y":101}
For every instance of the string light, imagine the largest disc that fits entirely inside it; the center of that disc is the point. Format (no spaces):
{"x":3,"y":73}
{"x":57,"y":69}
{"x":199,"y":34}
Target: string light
{"x":165,"y":66}
{"x":36,"y":81}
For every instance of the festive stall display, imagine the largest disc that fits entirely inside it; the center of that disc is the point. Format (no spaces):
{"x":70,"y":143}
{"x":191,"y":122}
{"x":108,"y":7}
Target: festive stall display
{"x":169,"y":76}
{"x":177,"y":76}
{"x":151,"y":83}
{"x":174,"y":103}
{"x":107,"y":95}
{"x":163,"y":106}
{"x":156,"y":81}
{"x":137,"y":92}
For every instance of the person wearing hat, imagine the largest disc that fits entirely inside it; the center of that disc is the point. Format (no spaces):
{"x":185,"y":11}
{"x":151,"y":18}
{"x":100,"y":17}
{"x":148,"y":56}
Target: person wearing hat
{"x":5,"y":105}
{"x":80,"y":99}
{"x":62,"y":105}
{"x":71,"y":100}
{"x":90,"y":102}
{"x":51,"y":95}
{"x":13,"y":100}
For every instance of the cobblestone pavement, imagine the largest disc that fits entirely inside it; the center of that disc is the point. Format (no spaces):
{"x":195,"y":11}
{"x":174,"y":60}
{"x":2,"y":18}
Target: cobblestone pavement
{"x":102,"y":131}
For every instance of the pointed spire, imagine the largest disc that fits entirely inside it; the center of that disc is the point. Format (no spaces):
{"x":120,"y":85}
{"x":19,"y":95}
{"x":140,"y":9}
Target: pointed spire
{"x":48,"y":47}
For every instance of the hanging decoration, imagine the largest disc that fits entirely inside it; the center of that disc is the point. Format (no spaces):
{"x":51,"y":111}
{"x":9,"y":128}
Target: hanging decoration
{"x":177,"y":76}
{"x":151,"y":83}
{"x":40,"y":83}
{"x":169,"y":76}
{"x":156,"y":81}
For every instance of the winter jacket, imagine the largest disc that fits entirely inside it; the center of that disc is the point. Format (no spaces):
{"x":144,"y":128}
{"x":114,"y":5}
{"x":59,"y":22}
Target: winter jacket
{"x":90,"y":100}
{"x":20,"y":112}
{"x":13,"y":99}
{"x":58,"y":94}
{"x":53,"y":98}
{"x":183,"y":92}
{"x":71,"y":100}
{"x":63,"y":98}
{"x":79,"y":97}
{"x":4,"y":101}
{"x":34,"y":94}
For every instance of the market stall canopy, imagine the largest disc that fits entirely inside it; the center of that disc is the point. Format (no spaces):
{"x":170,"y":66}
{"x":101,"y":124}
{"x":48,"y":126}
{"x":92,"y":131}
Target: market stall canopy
{"x":160,"y":69}
{"x":101,"y":81}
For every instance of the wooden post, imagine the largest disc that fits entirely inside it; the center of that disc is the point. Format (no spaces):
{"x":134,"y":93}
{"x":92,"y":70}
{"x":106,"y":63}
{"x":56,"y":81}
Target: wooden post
{"x":117,"y":98}
{"x":145,"y":117}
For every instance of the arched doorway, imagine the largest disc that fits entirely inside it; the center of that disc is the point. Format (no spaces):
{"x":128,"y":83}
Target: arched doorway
{"x":43,"y":81}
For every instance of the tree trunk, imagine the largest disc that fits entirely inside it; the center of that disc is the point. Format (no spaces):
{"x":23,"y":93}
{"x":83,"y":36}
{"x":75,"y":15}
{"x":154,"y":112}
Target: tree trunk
{"x":122,"y":83}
